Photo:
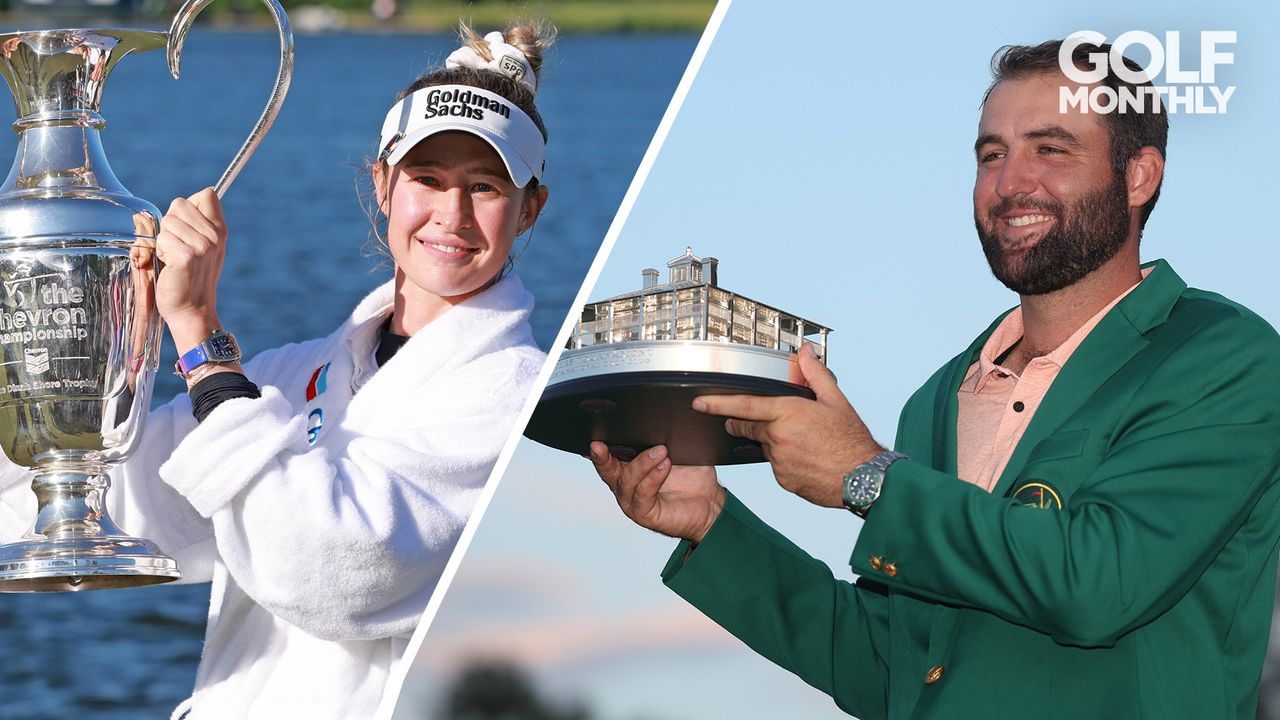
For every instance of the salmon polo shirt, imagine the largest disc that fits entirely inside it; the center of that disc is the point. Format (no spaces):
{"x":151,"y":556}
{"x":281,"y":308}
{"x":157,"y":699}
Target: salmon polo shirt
{"x":996,"y":405}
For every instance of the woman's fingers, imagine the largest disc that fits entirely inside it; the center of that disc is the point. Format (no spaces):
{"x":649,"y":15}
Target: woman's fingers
{"x":207,"y":203}
{"x":192,"y":245}
{"x":190,"y":225}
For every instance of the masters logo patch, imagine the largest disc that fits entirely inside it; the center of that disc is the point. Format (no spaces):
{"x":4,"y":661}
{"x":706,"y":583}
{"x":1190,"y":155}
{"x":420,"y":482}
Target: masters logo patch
{"x":1038,"y":495}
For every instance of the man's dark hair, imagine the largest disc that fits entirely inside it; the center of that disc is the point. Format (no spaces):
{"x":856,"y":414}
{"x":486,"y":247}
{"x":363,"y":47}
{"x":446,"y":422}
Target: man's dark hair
{"x":1129,"y":131}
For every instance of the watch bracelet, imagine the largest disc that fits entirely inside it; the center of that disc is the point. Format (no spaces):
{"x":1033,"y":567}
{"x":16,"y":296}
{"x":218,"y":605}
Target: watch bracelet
{"x":880,"y":462}
{"x":202,"y":370}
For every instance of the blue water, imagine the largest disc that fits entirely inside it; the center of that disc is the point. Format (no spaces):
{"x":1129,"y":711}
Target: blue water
{"x":298,"y":263}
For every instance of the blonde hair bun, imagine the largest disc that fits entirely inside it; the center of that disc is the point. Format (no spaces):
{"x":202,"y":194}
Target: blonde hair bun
{"x":530,"y":38}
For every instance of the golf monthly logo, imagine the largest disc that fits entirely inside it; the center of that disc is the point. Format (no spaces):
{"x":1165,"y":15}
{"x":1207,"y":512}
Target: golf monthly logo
{"x":1184,"y":90}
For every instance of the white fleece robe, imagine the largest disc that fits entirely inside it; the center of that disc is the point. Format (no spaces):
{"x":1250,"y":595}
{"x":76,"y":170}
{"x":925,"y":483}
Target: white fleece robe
{"x":323,"y":556}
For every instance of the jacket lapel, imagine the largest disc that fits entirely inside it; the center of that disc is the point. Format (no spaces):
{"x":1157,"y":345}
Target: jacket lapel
{"x":1116,"y":339}
{"x":946,"y":406}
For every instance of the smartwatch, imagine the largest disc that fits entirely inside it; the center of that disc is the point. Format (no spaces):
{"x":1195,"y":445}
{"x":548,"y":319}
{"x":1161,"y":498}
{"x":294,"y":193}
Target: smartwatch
{"x":219,"y":347}
{"x":862,"y":484}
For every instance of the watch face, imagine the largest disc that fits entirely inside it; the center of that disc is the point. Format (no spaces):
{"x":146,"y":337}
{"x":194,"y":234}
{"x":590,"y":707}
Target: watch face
{"x":864,"y":486}
{"x":223,"y":347}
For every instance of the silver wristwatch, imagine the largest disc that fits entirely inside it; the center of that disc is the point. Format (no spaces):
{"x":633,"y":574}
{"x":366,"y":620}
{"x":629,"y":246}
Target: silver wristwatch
{"x":862,"y":484}
{"x":219,"y":347}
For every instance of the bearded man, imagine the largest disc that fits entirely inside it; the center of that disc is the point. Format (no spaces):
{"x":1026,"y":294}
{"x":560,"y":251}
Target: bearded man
{"x":1080,"y":519}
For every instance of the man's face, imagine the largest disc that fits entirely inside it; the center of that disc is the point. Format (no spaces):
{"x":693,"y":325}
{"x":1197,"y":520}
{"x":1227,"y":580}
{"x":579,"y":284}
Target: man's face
{"x":1046,"y":204}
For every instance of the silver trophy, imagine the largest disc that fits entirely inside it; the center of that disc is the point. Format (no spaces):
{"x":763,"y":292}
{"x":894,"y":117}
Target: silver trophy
{"x":79,"y":331}
{"x":635,"y":363}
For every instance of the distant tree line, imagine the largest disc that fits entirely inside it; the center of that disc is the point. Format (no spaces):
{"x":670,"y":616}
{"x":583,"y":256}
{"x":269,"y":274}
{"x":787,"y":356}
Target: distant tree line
{"x":502,"y":691}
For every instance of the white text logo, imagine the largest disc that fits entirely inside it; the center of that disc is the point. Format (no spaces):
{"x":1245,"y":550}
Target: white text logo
{"x":1184,"y":91}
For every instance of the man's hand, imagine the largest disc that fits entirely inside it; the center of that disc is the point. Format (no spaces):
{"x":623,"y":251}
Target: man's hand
{"x":680,"y":502}
{"x":811,"y":444}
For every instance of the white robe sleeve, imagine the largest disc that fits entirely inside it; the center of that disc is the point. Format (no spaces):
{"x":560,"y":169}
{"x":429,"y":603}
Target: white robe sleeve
{"x":17,"y":502}
{"x":145,"y":506}
{"x":347,"y":539}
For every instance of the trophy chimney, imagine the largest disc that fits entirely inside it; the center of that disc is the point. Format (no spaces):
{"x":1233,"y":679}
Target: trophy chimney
{"x":687,"y":267}
{"x":650,"y":277}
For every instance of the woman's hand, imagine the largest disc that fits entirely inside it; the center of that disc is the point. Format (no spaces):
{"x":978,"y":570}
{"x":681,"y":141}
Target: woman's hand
{"x":191,"y":247}
{"x":680,"y":502}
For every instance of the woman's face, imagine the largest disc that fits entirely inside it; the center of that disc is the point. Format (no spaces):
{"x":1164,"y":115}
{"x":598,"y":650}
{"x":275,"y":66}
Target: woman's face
{"x":452,"y":215}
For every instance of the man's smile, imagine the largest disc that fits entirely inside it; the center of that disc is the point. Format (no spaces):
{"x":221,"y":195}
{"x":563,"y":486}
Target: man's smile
{"x":1025,"y":220}
{"x":1020,"y":229}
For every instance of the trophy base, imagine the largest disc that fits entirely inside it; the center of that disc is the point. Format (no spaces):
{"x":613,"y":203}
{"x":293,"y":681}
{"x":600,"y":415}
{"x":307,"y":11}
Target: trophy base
{"x":633,"y":411}
{"x":83,"y":563}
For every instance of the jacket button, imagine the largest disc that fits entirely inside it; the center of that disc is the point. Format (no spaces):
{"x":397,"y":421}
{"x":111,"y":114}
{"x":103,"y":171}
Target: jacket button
{"x":890,"y":569}
{"x":934,"y":674}
{"x":875,"y":562}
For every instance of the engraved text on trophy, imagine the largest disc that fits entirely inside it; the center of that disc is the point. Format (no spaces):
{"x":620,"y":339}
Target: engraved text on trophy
{"x":62,"y":314}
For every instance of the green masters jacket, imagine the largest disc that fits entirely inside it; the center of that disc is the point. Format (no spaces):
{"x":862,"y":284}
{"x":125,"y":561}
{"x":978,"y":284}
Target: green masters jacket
{"x":1123,"y":567}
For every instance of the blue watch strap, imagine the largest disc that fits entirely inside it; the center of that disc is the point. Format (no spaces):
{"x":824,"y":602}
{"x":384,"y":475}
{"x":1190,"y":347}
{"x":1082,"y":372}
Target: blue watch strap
{"x":192,"y":359}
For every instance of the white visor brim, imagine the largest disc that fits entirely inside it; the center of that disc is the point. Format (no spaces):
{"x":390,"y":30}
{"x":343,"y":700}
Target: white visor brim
{"x":493,"y":118}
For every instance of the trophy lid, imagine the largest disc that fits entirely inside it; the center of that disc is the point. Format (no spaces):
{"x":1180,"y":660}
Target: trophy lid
{"x":636,"y":361}
{"x":692,"y":305}
{"x":54,"y":72}
{"x":61,"y":189}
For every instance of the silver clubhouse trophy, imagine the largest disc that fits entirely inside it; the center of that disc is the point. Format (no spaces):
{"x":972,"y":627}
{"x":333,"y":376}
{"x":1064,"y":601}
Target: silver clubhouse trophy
{"x":635,"y":362}
{"x":79,"y":331}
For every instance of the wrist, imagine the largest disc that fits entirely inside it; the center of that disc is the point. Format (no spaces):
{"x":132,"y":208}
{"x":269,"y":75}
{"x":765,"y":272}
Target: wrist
{"x":190,"y":329}
{"x":717,"y":507}
{"x":836,"y":496}
{"x":867,"y":453}
{"x":207,"y":369}
{"x":217,"y":351}
{"x":863,"y":484}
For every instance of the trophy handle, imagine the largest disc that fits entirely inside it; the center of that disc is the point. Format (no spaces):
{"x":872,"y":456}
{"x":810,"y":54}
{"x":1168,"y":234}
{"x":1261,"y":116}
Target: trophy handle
{"x":178,"y":35}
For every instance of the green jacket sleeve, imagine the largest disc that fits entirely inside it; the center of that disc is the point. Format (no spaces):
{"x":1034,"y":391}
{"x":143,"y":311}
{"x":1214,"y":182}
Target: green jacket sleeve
{"x":788,"y":607}
{"x":1173,"y":482}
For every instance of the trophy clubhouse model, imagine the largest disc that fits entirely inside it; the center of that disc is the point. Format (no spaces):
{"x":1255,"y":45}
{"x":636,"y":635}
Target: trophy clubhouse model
{"x":635,"y":362}
{"x":79,"y":331}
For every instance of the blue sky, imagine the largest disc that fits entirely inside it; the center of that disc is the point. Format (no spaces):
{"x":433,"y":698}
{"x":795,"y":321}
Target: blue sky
{"x":824,"y":154}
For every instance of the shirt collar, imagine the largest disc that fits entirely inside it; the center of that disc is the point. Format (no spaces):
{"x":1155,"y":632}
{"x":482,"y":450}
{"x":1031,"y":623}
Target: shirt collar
{"x":1010,"y":331}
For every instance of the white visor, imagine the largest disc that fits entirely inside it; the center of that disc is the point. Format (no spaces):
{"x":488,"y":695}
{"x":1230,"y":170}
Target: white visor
{"x":440,"y":108}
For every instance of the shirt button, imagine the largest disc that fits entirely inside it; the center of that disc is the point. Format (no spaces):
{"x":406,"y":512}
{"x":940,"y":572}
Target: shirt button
{"x":934,"y":674}
{"x":1018,"y":406}
{"x":890,"y":569}
{"x":875,"y":562}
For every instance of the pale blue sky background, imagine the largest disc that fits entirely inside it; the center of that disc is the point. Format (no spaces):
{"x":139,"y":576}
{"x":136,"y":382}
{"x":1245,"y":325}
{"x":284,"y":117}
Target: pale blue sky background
{"x":824,"y":154}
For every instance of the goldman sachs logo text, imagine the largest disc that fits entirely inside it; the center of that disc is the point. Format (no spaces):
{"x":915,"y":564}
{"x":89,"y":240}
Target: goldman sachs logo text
{"x":462,"y":103}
